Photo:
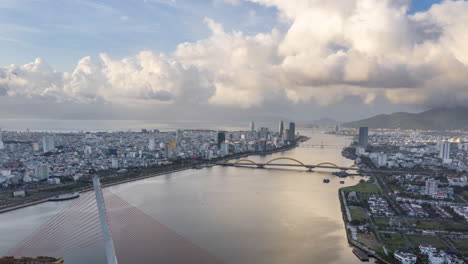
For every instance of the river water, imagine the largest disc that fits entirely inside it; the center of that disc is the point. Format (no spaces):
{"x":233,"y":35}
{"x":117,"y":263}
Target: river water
{"x":239,"y":215}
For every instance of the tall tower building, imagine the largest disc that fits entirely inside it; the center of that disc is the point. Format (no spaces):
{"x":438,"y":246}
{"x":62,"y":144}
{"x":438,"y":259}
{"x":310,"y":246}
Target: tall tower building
{"x":252,"y":126}
{"x":221,"y":138}
{"x":42,"y":172}
{"x":152,"y":144}
{"x":263,"y":132}
{"x":363,"y":137}
{"x":431,"y":187}
{"x":114,"y":163}
{"x":286,"y":134}
{"x":281,"y":129}
{"x":48,"y":143}
{"x":444,"y":152}
{"x":1,"y":140}
{"x":292,"y":131}
{"x":179,"y":135}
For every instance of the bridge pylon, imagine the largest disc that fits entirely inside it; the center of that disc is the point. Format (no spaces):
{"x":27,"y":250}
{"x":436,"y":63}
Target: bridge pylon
{"x":108,"y":242}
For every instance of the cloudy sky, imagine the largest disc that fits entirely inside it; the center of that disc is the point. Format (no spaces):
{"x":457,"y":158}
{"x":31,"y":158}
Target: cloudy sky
{"x":236,"y":59}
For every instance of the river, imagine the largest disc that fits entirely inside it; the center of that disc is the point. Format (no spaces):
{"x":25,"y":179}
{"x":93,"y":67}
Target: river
{"x":240,"y":215}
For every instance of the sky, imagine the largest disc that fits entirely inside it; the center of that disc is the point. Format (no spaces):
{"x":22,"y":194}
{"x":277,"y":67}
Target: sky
{"x":237,"y":59}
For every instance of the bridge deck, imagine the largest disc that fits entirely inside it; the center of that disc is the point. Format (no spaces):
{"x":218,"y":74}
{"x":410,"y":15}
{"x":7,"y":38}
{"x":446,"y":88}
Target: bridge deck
{"x":284,"y":165}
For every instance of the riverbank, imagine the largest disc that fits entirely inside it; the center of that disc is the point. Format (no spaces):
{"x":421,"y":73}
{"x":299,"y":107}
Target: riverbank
{"x":352,"y":237}
{"x":140,"y":174}
{"x":352,"y":241}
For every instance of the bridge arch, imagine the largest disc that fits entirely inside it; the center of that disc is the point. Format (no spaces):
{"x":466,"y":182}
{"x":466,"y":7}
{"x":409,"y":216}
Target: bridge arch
{"x":327,"y":163}
{"x":245,"y":160}
{"x":286,"y":158}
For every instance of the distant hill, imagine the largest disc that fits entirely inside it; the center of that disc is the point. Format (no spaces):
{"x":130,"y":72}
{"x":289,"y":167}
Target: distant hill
{"x":435,"y":119}
{"x":324,"y":122}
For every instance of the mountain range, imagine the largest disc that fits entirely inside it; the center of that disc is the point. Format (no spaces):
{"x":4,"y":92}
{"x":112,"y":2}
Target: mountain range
{"x":455,"y":118}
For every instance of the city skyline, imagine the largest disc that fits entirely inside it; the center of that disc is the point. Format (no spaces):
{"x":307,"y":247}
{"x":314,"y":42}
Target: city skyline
{"x":164,"y":72}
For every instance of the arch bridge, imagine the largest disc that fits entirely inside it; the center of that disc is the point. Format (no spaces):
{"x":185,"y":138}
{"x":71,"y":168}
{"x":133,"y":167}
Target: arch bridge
{"x":297,"y":163}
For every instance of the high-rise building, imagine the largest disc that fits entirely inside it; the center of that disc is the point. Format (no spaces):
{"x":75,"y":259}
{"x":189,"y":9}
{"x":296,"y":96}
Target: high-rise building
{"x":179,"y":135}
{"x":221,"y":138}
{"x":88,"y":151}
{"x":252,"y":126}
{"x":1,"y":140}
{"x":431,"y":187}
{"x":152,"y":144}
{"x":286,"y":134}
{"x":363,"y":137}
{"x":292,"y":131}
{"x":263,"y":132}
{"x":381,"y":159}
{"x":36,"y":146}
{"x":42,"y":172}
{"x":281,"y":129}
{"x":48,"y":143}
{"x":444,"y":151}
{"x":115,"y":163}
{"x":224,"y":149}
{"x":337,"y":128}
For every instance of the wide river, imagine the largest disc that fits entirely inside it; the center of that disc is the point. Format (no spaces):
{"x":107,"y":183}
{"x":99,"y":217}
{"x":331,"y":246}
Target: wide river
{"x":240,"y":215}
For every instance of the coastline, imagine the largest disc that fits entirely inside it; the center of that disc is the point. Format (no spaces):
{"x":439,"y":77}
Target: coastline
{"x":156,"y":174}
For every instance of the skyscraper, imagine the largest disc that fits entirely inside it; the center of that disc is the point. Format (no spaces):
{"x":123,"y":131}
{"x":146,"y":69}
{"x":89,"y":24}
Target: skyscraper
{"x":1,"y":139}
{"x":152,"y":144}
{"x":363,"y":137}
{"x":48,"y":143}
{"x":252,"y":126}
{"x":263,"y":132}
{"x":42,"y":172}
{"x":444,"y":152}
{"x":221,"y":138}
{"x":292,"y":131}
{"x":281,"y":129}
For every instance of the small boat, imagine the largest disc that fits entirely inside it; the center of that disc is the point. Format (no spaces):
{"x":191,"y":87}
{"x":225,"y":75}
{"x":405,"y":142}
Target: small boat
{"x":64,"y":197}
{"x":326,"y":180}
{"x":341,"y":182}
{"x":341,"y":174}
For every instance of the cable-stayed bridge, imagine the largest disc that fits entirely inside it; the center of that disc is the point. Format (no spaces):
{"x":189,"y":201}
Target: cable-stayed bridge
{"x":134,"y":236}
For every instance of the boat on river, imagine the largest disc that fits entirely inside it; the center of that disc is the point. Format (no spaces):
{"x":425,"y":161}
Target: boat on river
{"x":64,"y":197}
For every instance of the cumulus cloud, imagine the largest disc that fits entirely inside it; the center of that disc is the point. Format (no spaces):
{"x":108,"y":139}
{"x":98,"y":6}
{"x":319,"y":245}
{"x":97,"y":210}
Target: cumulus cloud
{"x":331,"y":50}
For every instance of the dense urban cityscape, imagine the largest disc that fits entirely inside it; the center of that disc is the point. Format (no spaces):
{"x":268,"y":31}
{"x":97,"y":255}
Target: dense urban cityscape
{"x":36,"y":163}
{"x":414,"y":206}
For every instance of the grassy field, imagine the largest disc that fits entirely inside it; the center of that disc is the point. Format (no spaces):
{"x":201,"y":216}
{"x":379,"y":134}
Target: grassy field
{"x":363,"y":187}
{"x":462,"y":244}
{"x":436,"y":225}
{"x":416,"y":240}
{"x":358,"y":213}
{"x":381,"y":221}
{"x":393,"y":240}
{"x":465,"y":194}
